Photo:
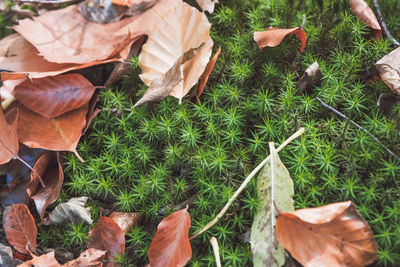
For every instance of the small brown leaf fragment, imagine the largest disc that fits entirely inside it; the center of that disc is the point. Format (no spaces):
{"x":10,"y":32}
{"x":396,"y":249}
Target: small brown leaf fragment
{"x":126,"y":220}
{"x":364,"y":13}
{"x":46,"y":260}
{"x":20,"y":228}
{"x":8,"y":138}
{"x":89,"y":258}
{"x":73,"y":211}
{"x":311,"y":76}
{"x":53,"y":96}
{"x":389,"y":70}
{"x":331,"y":235}
{"x":273,"y":37}
{"x":207,"y":5}
{"x":106,"y":235}
{"x":53,"y":176}
{"x":58,"y":134}
{"x":170,"y":246}
{"x":204,"y":77}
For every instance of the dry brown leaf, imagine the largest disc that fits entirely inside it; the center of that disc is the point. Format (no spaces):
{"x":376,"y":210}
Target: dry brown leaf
{"x":58,"y":134}
{"x":45,"y":260}
{"x":273,"y":37}
{"x":53,"y":96}
{"x":102,"y":11}
{"x":364,"y":13}
{"x":7,"y":92}
{"x":73,"y":211}
{"x":8,"y":138}
{"x":389,"y":70}
{"x":331,"y":235}
{"x":207,"y":5}
{"x":89,"y":258}
{"x":53,"y":176}
{"x":126,"y":220}
{"x":23,"y":59}
{"x":204,"y":77}
{"x":181,"y":29}
{"x":311,"y":76}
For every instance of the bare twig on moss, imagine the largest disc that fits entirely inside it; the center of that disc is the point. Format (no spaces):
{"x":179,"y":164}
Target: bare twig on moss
{"x":245,"y":182}
{"x":215,"y":247}
{"x":358,"y":126}
{"x":383,"y":24}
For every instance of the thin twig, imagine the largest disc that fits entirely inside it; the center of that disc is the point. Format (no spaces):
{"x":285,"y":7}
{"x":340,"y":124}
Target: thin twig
{"x":383,"y":24}
{"x":358,"y":126}
{"x":214,"y":244}
{"x":245,"y":182}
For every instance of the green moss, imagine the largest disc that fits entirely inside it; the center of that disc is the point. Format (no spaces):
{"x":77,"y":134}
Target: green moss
{"x":161,"y":154}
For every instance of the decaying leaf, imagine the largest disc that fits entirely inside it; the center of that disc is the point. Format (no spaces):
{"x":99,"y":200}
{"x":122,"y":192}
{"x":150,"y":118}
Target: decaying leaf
{"x":58,"y":134}
{"x":20,"y":228}
{"x":273,"y":185}
{"x":53,"y":96}
{"x":171,"y":247}
{"x":207,"y":5}
{"x":89,"y":258}
{"x":53,"y":176}
{"x":204,"y":77}
{"x":183,"y":28}
{"x":126,"y":220}
{"x":7,"y":92}
{"x":331,"y":235}
{"x":386,"y":103}
{"x":72,"y":211}
{"x":106,"y":235}
{"x":22,"y":59}
{"x":362,"y":11}
{"x":389,"y":70}
{"x":273,"y":37}
{"x":311,"y":76}
{"x":102,"y":11}
{"x":45,"y":260}
{"x":8,"y":138}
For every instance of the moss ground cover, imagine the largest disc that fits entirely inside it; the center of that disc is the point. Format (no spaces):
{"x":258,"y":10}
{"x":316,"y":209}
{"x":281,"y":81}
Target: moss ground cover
{"x":161,"y":154}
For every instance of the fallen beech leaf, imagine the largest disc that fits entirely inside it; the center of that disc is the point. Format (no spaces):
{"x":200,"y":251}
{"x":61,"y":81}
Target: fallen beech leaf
{"x":8,"y":138}
{"x":58,"y":134}
{"x":123,"y":2}
{"x":126,"y":220}
{"x":53,"y":176}
{"x":6,"y":256}
{"x":204,"y":77}
{"x":45,"y":260}
{"x":183,"y":28}
{"x":138,"y":6}
{"x":389,"y":70}
{"x":273,"y":37}
{"x":311,"y":76}
{"x":20,"y":228}
{"x":207,"y":5}
{"x":362,"y":11}
{"x":171,"y":247}
{"x":22,"y":58}
{"x":273,"y":185}
{"x":7,"y":92}
{"x":331,"y":235}
{"x":102,"y":11}
{"x":89,"y":258}
{"x":106,"y":235}
{"x":73,"y":211}
{"x":53,"y":96}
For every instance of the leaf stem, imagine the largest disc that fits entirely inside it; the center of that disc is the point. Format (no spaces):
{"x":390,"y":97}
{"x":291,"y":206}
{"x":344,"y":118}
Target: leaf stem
{"x":245,"y":182}
{"x":214,"y":244}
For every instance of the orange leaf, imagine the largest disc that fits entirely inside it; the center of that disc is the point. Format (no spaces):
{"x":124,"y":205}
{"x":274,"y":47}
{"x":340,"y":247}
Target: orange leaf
{"x":364,"y":13}
{"x":273,"y":37}
{"x":204,"y":77}
{"x":89,"y":258}
{"x":123,"y":2}
{"x":49,"y":168}
{"x":58,"y":134}
{"x":53,"y":96}
{"x":106,"y":235}
{"x":20,"y":228}
{"x":46,"y":260}
{"x":170,"y":247}
{"x":8,"y":138}
{"x":331,"y":235}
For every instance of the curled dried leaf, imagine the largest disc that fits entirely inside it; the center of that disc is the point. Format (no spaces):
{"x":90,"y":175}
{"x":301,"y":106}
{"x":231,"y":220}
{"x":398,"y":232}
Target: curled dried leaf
{"x":8,"y":138}
{"x":364,"y":13}
{"x":47,"y":260}
{"x":204,"y":77}
{"x":389,"y":70}
{"x":89,"y":258}
{"x":126,"y":220}
{"x":73,"y":211}
{"x":207,"y":5}
{"x":273,"y":37}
